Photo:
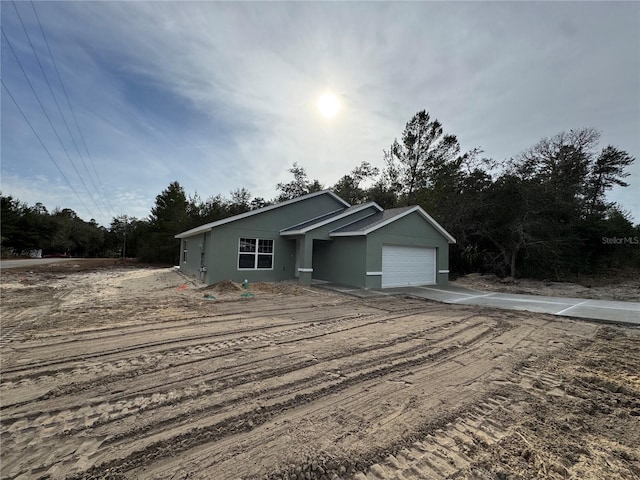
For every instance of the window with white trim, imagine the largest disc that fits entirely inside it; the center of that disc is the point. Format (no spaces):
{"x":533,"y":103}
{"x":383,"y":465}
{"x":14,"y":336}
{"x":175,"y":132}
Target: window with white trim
{"x":184,"y":252}
{"x":255,"y":254}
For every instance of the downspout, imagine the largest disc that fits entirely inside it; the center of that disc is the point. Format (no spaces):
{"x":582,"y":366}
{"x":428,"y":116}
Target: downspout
{"x":203,"y":267}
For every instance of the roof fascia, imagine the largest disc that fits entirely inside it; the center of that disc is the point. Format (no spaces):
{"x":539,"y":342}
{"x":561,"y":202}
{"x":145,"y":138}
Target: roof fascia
{"x":436,"y":225}
{"x":347,"y":234}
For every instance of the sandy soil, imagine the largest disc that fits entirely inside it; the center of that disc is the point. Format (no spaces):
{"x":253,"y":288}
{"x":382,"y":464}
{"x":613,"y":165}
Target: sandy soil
{"x":625,"y":286}
{"x":134,"y":373}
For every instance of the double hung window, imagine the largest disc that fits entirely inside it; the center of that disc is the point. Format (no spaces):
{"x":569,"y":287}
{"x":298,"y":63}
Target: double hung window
{"x":255,"y":254}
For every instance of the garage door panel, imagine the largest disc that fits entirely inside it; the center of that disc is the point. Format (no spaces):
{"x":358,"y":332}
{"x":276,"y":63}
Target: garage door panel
{"x":404,"y":265}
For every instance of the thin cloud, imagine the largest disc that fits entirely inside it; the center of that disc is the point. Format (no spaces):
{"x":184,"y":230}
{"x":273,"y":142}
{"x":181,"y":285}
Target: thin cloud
{"x":222,"y":95}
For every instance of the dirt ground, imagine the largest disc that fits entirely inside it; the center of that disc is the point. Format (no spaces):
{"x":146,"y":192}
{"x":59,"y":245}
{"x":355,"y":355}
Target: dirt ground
{"x":623,"y":286}
{"x":134,"y":373}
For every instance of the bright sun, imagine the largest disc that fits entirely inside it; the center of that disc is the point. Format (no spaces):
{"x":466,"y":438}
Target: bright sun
{"x":329,"y":105}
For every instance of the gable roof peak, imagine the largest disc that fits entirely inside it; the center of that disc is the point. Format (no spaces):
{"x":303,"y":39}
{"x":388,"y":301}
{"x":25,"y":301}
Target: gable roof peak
{"x":374,"y":222}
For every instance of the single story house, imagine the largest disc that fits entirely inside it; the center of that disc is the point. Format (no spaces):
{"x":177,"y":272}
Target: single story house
{"x":320,"y":236}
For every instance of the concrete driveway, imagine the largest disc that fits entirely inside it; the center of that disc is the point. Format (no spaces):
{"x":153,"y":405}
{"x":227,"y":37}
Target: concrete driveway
{"x":602,"y":310}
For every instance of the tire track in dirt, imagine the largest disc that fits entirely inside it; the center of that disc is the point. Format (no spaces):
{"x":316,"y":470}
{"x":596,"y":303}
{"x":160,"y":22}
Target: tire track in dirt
{"x":127,"y":368}
{"x":9,"y":333}
{"x":362,"y":401}
{"x":133,"y":398}
{"x":447,"y":450}
{"x":230,"y":315}
{"x":166,"y":345}
{"x":460,"y":448}
{"x":79,"y":365}
{"x":148,"y":345}
{"x":402,"y":388}
{"x":249,"y":420}
{"x":285,"y":389}
{"x":246,"y":317}
{"x":138,"y":402}
{"x":451,"y":449}
{"x":196,"y":349}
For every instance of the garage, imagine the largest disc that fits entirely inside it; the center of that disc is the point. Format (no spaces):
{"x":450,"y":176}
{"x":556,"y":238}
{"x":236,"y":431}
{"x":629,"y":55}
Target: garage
{"x":403,"y":265}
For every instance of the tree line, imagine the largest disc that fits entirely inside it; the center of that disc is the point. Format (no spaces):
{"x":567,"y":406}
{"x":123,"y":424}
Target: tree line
{"x":62,"y":233}
{"x":543,"y":213}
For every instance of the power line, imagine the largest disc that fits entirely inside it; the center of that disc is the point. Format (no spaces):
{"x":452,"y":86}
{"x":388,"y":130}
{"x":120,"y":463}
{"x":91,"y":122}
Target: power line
{"x":46,"y":115}
{"x":44,"y":146}
{"x":64,"y":90}
{"x":55,"y":99}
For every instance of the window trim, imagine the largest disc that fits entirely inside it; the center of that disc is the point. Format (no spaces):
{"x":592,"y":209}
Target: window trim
{"x":184,"y":252}
{"x":256,"y":254}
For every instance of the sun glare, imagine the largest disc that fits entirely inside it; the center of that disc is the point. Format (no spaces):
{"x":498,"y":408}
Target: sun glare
{"x":328,"y":105}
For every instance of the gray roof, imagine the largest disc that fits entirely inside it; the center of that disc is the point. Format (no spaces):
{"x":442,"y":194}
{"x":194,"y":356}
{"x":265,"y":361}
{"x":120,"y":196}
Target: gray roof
{"x":309,"y":223}
{"x":366,"y":223}
{"x":328,"y":218}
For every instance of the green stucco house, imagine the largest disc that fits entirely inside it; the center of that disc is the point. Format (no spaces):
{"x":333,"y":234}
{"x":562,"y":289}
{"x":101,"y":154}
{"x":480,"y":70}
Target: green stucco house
{"x":320,"y":236}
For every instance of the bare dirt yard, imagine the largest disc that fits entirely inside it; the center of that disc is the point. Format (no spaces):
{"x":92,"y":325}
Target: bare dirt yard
{"x":622,"y":285}
{"x":117,"y":372}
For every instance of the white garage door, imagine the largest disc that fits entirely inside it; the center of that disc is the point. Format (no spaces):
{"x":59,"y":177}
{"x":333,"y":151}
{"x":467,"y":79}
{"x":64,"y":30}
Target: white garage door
{"x":403,"y":266}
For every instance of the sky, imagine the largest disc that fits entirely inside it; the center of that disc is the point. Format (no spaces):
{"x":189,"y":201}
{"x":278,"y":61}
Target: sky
{"x":220,"y":96}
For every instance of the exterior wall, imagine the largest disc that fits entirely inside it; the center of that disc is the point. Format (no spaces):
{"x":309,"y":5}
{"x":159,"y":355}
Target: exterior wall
{"x":306,"y":247}
{"x":195,"y":247}
{"x":221,"y":249}
{"x":222,"y":256}
{"x":412,"y":230}
{"x":303,"y":268}
{"x":340,"y":260}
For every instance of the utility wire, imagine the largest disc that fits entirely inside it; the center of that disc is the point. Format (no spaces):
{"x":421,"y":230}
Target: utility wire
{"x":46,"y":114}
{"x":55,"y":99}
{"x":64,"y":90}
{"x":44,"y":146}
